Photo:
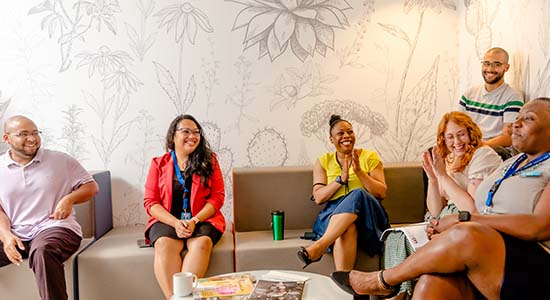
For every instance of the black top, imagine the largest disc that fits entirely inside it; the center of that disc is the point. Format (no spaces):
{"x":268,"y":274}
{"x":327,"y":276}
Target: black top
{"x":177,"y":197}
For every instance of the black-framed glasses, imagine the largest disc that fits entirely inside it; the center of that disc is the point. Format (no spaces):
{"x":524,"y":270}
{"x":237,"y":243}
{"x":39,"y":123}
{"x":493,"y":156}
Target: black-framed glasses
{"x":494,"y":64}
{"x":188,"y":131}
{"x":26,"y":134}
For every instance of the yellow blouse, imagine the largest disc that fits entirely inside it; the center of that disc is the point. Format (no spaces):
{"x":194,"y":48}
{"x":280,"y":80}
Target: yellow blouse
{"x":368,"y":160}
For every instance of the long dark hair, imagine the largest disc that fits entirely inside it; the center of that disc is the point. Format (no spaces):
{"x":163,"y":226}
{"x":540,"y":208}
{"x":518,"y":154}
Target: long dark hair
{"x":200,"y":161}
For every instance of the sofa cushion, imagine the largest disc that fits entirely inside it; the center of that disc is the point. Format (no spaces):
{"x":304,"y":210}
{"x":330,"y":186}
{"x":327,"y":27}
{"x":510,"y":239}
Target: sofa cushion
{"x":256,"y":250}
{"x":259,"y":191}
{"x":405,"y":200}
{"x":17,"y":282}
{"x":115,"y":267}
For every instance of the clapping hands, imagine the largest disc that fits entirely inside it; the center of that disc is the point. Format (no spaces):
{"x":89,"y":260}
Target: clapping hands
{"x":351,"y":160}
{"x":433,"y":164}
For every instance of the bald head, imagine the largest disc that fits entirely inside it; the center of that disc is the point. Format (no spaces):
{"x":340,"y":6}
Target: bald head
{"x":23,"y":137}
{"x":498,"y":50}
{"x":542,"y":105}
{"x":13,"y":123}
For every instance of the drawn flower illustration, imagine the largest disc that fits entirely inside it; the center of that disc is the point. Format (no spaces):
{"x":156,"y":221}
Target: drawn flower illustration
{"x":301,"y":83}
{"x":103,"y":11}
{"x":186,"y":18}
{"x":366,"y":123}
{"x":104,"y":61}
{"x":140,"y":41}
{"x":72,"y":28}
{"x":307,"y":25}
{"x":434,"y":5}
{"x":123,"y":80}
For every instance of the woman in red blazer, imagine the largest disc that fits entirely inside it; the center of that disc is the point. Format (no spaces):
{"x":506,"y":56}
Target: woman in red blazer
{"x":184,"y":193}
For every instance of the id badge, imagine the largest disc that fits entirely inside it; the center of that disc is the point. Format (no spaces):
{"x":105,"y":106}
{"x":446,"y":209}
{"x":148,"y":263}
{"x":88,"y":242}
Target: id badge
{"x":531,"y":174}
{"x":185,"y":216}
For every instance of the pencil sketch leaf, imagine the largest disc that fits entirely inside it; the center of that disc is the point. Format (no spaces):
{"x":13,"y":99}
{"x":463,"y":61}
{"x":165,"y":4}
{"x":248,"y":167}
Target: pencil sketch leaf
{"x":4,"y":106}
{"x":167,"y":83}
{"x":42,"y":7}
{"x":418,"y":109}
{"x":396,"y":31}
{"x":189,"y":94}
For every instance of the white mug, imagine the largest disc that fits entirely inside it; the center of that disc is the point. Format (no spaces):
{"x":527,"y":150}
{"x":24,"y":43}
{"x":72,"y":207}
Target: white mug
{"x":184,"y":283}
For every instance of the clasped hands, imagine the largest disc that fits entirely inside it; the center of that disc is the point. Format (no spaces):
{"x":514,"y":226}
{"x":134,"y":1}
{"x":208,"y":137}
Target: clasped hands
{"x":184,"y":228}
{"x":438,"y":225}
{"x":351,"y":160}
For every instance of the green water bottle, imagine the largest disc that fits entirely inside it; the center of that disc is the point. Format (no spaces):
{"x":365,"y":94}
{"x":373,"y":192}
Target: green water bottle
{"x":278,"y":224}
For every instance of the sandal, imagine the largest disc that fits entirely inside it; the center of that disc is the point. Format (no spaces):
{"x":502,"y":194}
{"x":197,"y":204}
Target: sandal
{"x":392,"y":290}
{"x":341,"y":278}
{"x":303,"y":255}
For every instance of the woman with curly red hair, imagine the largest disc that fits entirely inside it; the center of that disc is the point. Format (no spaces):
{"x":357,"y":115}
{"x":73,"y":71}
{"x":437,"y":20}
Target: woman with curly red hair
{"x":455,"y":167}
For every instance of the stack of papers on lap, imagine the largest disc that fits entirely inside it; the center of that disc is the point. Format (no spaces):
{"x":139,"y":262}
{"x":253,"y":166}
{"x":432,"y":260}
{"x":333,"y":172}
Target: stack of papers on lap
{"x":415,"y":233}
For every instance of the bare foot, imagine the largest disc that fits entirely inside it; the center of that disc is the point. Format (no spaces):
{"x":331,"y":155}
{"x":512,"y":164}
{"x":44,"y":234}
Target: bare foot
{"x":367,"y":283}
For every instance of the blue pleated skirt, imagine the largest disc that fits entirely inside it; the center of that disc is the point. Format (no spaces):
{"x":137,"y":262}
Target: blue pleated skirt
{"x":372,"y":218}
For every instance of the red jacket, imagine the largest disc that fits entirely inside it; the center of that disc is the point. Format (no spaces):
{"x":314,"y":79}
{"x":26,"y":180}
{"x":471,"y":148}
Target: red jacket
{"x":158,"y":190}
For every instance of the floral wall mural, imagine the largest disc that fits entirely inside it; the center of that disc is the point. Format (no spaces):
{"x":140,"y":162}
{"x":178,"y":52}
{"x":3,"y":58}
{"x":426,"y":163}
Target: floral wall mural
{"x":104,"y":78}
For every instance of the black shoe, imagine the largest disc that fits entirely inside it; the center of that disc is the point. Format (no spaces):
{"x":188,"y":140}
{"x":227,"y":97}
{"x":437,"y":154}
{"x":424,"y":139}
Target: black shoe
{"x":303,"y":255}
{"x":341,"y":278}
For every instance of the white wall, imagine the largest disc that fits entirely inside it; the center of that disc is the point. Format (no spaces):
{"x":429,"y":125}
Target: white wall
{"x":103,"y":78}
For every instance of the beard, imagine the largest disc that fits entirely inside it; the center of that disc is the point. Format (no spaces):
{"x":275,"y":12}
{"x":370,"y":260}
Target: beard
{"x":24,"y":152}
{"x":497,"y":78}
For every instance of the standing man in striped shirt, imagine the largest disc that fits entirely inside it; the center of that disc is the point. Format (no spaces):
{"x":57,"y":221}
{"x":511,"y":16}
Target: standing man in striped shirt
{"x":494,"y":105}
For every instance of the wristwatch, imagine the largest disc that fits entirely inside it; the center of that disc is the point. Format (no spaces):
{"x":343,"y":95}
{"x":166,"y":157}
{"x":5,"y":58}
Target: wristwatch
{"x":464,"y":216}
{"x":340,"y":181}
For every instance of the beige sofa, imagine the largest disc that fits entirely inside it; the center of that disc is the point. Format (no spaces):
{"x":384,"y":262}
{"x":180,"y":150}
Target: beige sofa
{"x":116,"y":268}
{"x":95,"y":217}
{"x":258,"y":191}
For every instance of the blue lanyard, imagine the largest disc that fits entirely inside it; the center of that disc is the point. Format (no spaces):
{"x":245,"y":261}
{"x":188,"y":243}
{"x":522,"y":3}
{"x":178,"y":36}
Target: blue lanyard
{"x":512,"y":170}
{"x":185,"y":215}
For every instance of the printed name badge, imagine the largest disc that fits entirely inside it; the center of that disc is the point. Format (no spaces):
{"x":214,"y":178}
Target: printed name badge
{"x":185,"y":216}
{"x":531,"y":174}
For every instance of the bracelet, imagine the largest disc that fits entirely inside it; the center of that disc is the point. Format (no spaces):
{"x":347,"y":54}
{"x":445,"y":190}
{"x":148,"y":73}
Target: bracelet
{"x":196,"y":220}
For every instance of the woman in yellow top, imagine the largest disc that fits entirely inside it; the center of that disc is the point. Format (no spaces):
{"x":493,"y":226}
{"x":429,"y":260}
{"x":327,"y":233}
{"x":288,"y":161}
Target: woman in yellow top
{"x":351,"y":183}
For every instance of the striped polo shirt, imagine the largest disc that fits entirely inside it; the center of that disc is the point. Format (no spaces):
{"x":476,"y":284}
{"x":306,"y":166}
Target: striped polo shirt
{"x":491,"y":110}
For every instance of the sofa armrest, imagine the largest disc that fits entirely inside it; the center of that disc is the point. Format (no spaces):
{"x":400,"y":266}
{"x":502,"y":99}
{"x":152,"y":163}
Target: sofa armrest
{"x":96,"y":215}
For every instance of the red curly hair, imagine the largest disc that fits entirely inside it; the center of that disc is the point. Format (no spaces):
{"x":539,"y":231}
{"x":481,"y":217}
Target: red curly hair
{"x":460,"y":119}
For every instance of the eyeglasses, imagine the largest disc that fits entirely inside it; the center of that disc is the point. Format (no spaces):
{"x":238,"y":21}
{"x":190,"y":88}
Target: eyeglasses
{"x":495,"y":64}
{"x":26,"y":134}
{"x":460,"y":136}
{"x":188,"y":131}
